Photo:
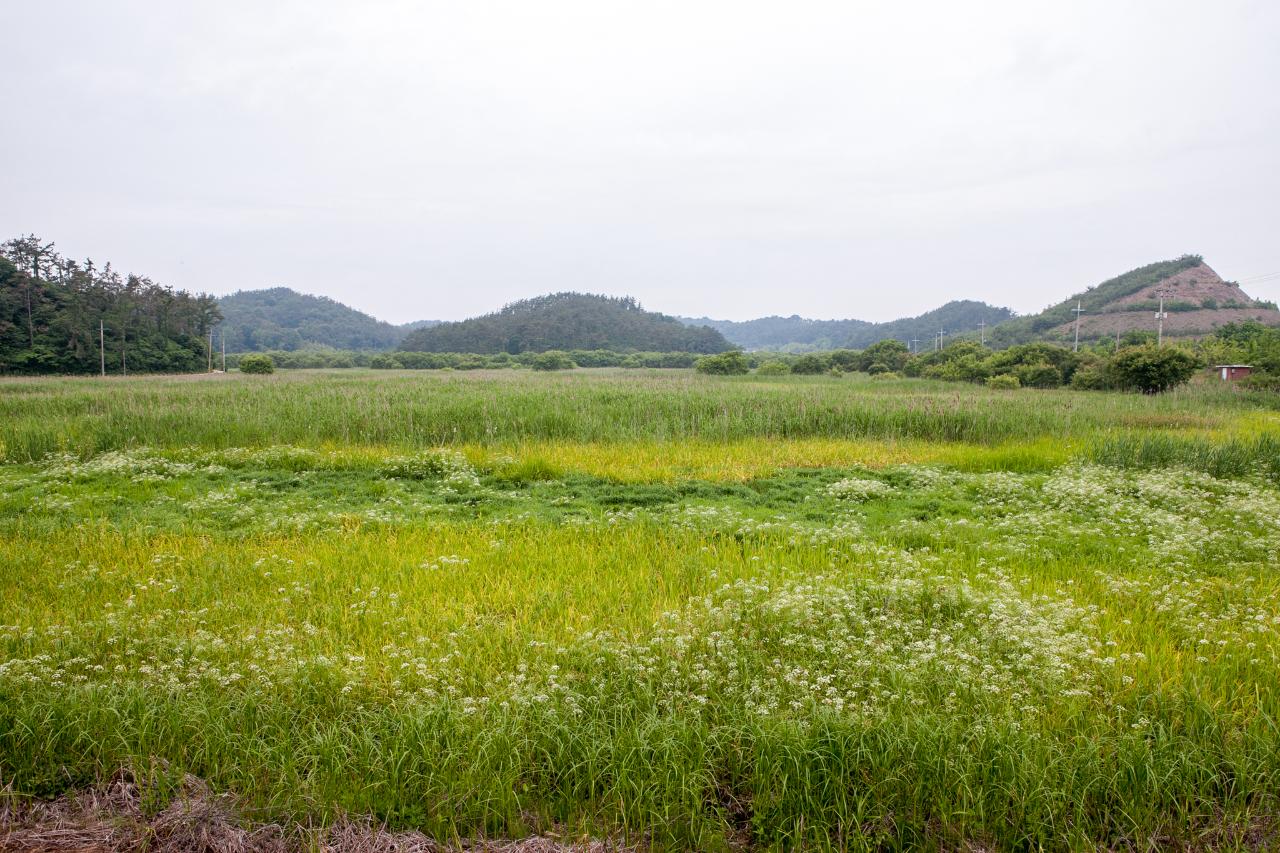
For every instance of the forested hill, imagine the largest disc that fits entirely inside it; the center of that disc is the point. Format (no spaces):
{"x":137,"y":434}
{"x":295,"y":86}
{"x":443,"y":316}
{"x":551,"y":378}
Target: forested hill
{"x":567,"y":321}
{"x":798,"y":334}
{"x":55,"y":313}
{"x":1196,"y":300}
{"x":283,"y":319}
{"x":958,"y":316}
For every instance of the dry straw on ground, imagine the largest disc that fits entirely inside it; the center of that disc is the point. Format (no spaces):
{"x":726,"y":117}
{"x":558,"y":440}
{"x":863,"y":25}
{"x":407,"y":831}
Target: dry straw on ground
{"x":112,"y":819}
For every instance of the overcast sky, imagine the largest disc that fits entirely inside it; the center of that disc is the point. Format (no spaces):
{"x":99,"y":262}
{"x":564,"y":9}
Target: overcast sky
{"x":732,"y":159}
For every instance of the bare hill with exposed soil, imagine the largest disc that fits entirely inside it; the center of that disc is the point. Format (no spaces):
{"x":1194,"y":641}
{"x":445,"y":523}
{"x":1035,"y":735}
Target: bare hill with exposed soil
{"x":1196,"y":300}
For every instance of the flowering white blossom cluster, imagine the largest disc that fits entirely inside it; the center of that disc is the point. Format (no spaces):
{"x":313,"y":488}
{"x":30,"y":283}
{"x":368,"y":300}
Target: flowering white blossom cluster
{"x":1057,"y":587}
{"x":858,"y":489}
{"x":448,"y":466}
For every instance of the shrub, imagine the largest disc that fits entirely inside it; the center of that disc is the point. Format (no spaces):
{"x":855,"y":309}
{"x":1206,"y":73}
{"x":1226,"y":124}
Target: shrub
{"x":1151,"y":369}
{"x":1262,"y":382}
{"x":1038,"y":375}
{"x":1091,"y":378}
{"x":731,"y":363}
{"x":890,"y":352}
{"x":847,"y":360}
{"x":1004,"y":382}
{"x":383,"y":362}
{"x":773,"y":368}
{"x":1032,"y":358}
{"x":811,"y":365}
{"x":552,"y":360}
{"x":257,"y":363}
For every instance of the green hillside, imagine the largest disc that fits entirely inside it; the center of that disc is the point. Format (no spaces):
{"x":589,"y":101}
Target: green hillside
{"x":567,"y":321}
{"x":799,"y":334}
{"x":1093,"y":300}
{"x":794,"y":333}
{"x":283,"y":319}
{"x":960,"y":315}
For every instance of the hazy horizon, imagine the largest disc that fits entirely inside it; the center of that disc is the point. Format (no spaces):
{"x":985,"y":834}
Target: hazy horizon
{"x":727,"y":160}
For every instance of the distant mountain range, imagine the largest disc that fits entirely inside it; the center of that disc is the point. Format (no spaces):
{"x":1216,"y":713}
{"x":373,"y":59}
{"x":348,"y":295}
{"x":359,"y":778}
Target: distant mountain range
{"x":798,"y":334}
{"x":283,"y":319}
{"x":1197,"y":301}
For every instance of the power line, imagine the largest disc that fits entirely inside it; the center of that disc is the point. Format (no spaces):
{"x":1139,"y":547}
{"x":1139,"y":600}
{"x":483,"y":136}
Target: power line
{"x":1264,"y":277}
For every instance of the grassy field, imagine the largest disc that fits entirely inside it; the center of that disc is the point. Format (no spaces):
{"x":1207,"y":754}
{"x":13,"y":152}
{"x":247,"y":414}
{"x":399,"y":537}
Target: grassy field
{"x":673,"y":610}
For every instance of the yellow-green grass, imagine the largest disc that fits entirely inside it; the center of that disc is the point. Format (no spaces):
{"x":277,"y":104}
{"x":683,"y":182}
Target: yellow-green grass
{"x":700,"y":459}
{"x":918,"y":619}
{"x":1140,"y":756}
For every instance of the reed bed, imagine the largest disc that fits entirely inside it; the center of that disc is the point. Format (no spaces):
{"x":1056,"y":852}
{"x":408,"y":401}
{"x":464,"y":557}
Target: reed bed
{"x":1038,"y":620}
{"x":428,"y":409}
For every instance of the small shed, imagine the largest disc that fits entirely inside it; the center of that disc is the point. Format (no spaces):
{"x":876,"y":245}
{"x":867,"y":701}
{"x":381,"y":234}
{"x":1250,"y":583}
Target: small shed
{"x":1232,"y":372}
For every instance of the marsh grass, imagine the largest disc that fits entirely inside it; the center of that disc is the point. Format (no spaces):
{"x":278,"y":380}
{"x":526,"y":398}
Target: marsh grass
{"x":1231,"y":457}
{"x":804,"y":642}
{"x":408,"y":410}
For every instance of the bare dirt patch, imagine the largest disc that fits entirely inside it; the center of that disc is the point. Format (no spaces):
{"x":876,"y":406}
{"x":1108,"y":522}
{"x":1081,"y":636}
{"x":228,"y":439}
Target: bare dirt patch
{"x":1191,"y":285}
{"x":1179,"y":323}
{"x":1195,"y":285}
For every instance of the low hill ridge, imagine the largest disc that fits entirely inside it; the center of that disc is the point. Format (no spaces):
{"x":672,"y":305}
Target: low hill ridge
{"x":567,"y":321}
{"x":280,"y":318}
{"x":797,"y":334}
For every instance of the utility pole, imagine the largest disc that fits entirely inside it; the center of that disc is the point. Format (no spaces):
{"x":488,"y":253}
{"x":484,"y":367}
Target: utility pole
{"x":210,"y":350}
{"x":1078,"y":310}
{"x":1160,"y":318}
{"x":982,"y":331}
{"x":102,"y":348}
{"x":942,"y":334}
{"x":913,"y":345}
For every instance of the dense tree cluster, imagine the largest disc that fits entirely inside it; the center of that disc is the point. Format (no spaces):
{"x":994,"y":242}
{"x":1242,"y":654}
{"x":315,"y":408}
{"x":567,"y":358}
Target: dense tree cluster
{"x":731,"y":363}
{"x":51,"y":309}
{"x":283,"y":319}
{"x":1141,"y":367}
{"x":567,"y":321}
{"x":1138,"y":366}
{"x":1248,"y":343}
{"x":257,"y":363}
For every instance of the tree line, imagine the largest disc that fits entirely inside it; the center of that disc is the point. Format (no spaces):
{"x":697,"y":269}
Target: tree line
{"x":312,"y":359}
{"x":1136,"y":364}
{"x":59,"y":315}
